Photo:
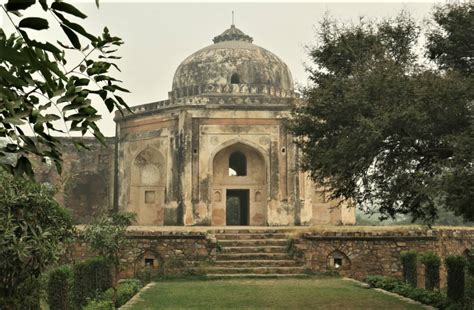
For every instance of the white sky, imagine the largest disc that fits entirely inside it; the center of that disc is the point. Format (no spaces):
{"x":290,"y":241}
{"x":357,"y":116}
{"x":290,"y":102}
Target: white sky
{"x":159,"y":35}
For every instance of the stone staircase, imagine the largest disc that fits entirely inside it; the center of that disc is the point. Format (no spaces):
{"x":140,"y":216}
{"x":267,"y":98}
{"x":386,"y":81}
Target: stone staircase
{"x":253,"y":253}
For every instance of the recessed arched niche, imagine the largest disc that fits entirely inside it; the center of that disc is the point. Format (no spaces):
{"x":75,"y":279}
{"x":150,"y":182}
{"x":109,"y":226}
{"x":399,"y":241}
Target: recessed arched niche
{"x":337,"y":260}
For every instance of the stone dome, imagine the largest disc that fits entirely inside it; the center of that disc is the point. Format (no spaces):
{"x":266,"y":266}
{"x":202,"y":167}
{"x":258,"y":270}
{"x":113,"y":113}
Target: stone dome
{"x":233,"y":65}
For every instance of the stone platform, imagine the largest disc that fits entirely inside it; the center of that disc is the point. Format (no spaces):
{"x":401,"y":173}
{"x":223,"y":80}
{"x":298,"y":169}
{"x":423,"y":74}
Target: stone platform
{"x":233,"y":251}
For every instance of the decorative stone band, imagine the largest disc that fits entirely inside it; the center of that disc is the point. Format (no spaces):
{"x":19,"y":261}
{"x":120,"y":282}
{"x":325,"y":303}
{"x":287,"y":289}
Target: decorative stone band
{"x":245,"y":89}
{"x":244,"y":101}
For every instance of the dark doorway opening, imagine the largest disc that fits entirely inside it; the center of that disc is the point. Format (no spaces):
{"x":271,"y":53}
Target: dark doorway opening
{"x":237,"y":207}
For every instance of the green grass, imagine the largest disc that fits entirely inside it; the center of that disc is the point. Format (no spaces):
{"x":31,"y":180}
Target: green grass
{"x":312,"y":293}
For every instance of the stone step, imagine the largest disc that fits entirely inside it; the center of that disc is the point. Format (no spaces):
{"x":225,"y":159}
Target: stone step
{"x":254,"y":249}
{"x":257,"y":263}
{"x":255,"y":270}
{"x":250,"y":236}
{"x":252,"y":256}
{"x":256,"y":275}
{"x":253,"y":242}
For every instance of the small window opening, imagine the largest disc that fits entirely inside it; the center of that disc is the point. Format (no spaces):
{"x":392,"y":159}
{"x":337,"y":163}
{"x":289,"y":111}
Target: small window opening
{"x":283,"y":150}
{"x":235,"y":79}
{"x":237,"y":164}
{"x":195,"y":151}
{"x":337,"y":263}
{"x":149,"y":262}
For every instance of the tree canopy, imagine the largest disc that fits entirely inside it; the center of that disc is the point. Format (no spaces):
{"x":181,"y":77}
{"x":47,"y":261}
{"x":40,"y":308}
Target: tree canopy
{"x":385,"y":126}
{"x":39,"y":88}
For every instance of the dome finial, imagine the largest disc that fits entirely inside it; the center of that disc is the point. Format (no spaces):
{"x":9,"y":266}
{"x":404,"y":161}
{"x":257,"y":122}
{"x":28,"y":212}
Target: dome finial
{"x":232,"y":34}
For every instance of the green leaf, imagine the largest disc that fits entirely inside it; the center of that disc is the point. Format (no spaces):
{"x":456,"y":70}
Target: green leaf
{"x":13,"y":56}
{"x":82,"y":82}
{"x":44,"y":4}
{"x":80,"y":145}
{"x":67,"y":8}
{"x":45,"y":46}
{"x":79,"y":29}
{"x":51,"y":117}
{"x":11,"y":78}
{"x":15,"y":5}
{"x":72,"y":37}
{"x":121,"y":89}
{"x":65,"y":46}
{"x":76,"y":27}
{"x":110,"y":103}
{"x":34,"y":23}
{"x":53,"y":66}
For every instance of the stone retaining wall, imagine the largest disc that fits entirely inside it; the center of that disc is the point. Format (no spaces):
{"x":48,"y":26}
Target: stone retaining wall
{"x":362,"y":253}
{"x":352,"y":251}
{"x":159,"y":252}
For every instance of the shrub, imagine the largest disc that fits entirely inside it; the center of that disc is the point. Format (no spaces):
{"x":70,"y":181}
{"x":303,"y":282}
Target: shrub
{"x":59,"y":288}
{"x":107,"y":236}
{"x":409,"y":266}
{"x":470,"y":262}
{"x":99,"y":305}
{"x":455,"y":265}
{"x":432,"y":263}
{"x":435,"y":299}
{"x":382,"y":282}
{"x":91,"y":277}
{"x":126,"y":289}
{"x":33,"y":230}
{"x":470,"y":291}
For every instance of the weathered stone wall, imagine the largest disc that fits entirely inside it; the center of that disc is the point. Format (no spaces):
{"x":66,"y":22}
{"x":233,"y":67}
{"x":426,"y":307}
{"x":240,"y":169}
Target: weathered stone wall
{"x":377,"y":252}
{"x":359,"y":251}
{"x":159,"y":252}
{"x":86,"y":185}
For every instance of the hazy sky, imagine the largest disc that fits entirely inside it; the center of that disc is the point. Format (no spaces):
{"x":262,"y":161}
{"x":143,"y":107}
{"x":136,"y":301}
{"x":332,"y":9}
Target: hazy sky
{"x":158,"y":36}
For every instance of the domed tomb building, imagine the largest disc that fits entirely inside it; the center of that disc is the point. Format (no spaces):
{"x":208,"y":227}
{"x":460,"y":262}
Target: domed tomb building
{"x":216,"y":152}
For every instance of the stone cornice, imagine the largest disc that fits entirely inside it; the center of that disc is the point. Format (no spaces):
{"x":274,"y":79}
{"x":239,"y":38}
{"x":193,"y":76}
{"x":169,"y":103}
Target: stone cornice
{"x":234,"y":89}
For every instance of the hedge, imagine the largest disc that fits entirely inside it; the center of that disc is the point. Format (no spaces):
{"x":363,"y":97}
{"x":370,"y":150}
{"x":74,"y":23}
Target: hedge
{"x":432,"y":263}
{"x":470,"y":262}
{"x":433,"y":298}
{"x":91,"y":277}
{"x":409,"y":261}
{"x":455,"y":265}
{"x":59,"y":288}
{"x":126,"y":289}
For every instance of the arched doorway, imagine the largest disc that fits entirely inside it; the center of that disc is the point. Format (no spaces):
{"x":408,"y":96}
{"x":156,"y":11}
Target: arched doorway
{"x":239,"y":178}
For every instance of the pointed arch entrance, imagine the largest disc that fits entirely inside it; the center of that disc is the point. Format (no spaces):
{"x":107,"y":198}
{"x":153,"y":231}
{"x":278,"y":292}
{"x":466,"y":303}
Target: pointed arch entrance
{"x":239,"y":179}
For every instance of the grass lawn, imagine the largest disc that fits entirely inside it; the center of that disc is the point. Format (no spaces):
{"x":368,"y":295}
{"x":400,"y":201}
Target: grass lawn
{"x":311,"y":293}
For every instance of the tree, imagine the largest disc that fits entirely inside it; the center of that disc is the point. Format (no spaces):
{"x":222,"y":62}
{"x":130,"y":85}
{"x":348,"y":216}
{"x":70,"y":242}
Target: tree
{"x":38,"y":87}
{"x":108,"y":237}
{"x":33,"y":229}
{"x":451,"y":41}
{"x":383,"y":130}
